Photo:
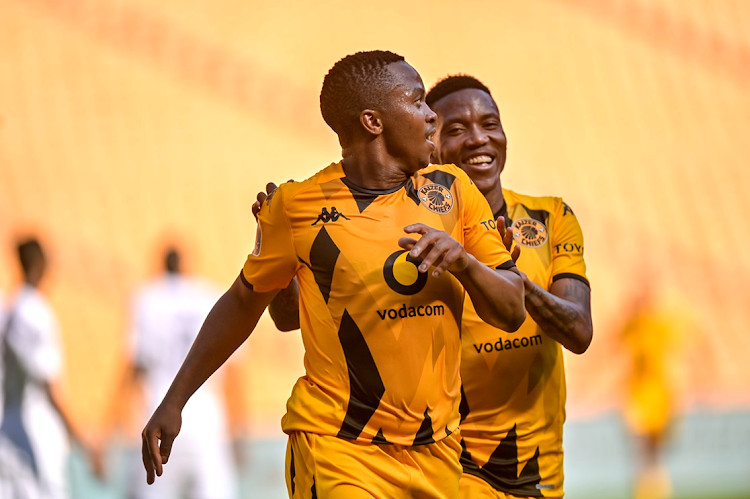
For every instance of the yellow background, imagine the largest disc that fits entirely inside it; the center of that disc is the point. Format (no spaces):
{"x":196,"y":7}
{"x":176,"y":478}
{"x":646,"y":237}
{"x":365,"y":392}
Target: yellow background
{"x":125,"y":121}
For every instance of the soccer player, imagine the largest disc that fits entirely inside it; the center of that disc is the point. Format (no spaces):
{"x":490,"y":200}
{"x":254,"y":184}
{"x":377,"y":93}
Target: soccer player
{"x":34,"y":432}
{"x":383,"y":248}
{"x":513,"y":404}
{"x":513,"y":391}
{"x":166,"y":317}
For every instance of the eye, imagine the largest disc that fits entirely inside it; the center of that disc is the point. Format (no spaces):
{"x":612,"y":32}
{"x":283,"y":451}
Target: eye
{"x":455,"y":130}
{"x":492,"y":125}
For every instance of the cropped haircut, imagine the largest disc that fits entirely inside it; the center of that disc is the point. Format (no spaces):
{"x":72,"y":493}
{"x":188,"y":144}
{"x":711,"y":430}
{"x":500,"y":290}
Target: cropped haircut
{"x":356,"y":82}
{"x":172,"y":260}
{"x":30,"y":253}
{"x":451,"y":84}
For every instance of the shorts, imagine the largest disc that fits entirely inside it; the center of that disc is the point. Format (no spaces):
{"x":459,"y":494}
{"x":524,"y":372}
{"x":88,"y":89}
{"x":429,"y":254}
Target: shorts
{"x":334,"y":468}
{"x":472,"y":487}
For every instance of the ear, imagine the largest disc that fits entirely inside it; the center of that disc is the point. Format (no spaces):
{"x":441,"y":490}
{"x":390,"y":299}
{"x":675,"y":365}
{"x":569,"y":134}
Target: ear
{"x":371,"y":121}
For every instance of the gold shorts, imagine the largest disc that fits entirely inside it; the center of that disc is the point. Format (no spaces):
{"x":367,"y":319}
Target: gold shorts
{"x":472,"y":487}
{"x":334,"y":468}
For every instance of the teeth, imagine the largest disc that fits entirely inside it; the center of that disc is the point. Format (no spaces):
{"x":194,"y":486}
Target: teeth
{"x":479,"y":159}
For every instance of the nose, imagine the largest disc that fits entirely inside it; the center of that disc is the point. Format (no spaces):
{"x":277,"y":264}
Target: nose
{"x":477,"y":136}
{"x":430,"y":116}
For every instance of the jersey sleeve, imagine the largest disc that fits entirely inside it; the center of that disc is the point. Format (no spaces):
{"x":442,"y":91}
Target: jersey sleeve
{"x":36,"y":343}
{"x":481,"y":237}
{"x":273,"y":262}
{"x":567,"y":246}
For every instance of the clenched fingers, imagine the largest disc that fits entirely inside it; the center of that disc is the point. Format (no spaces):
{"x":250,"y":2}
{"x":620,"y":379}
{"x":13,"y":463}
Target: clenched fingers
{"x":436,"y":248}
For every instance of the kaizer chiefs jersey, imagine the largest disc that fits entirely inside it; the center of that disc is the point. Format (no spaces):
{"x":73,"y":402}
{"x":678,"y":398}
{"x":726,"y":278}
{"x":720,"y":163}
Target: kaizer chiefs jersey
{"x":513,"y":404}
{"x":382,"y":343}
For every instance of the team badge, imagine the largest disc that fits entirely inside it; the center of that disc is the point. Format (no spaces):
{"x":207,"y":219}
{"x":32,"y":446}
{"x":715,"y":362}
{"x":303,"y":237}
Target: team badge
{"x":436,"y":198}
{"x":529,"y":232}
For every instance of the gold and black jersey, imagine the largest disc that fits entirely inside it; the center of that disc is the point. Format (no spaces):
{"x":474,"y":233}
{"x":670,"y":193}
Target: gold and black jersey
{"x":382,"y":343}
{"x":513,"y":393}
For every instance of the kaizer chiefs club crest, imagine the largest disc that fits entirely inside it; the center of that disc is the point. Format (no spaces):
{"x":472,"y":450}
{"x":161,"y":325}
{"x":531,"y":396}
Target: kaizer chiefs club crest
{"x":436,"y":198}
{"x":401,"y":274}
{"x":529,"y":232}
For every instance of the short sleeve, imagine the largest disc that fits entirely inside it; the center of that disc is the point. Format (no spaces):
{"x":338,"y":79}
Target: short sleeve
{"x":481,"y":237}
{"x":273,"y":262}
{"x":567,"y":246}
{"x":35,"y":341}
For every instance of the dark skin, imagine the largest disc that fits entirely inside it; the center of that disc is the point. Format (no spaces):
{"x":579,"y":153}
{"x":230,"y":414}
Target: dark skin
{"x":386,"y":148}
{"x":471,"y":136}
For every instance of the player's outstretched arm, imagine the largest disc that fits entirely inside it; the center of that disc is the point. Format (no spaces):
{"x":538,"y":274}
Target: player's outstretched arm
{"x":497,"y":295}
{"x":563,"y":313}
{"x":229,"y":323}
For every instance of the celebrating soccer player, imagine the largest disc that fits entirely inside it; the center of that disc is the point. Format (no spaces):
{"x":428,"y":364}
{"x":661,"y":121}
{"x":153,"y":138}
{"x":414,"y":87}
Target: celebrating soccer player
{"x":384,"y":248}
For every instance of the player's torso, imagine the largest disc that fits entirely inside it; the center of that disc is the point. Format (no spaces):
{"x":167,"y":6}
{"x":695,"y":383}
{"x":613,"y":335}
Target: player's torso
{"x":382,"y":340}
{"x":513,"y":384}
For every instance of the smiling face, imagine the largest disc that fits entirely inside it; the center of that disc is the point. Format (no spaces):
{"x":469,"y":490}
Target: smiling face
{"x":470,"y":135}
{"x":408,"y":122}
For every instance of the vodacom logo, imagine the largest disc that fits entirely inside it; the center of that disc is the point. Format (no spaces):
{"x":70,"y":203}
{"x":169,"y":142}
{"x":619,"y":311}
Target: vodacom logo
{"x":401,"y":273}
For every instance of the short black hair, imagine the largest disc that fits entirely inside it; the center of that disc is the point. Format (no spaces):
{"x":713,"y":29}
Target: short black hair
{"x":354,"y":83}
{"x":453,"y":83}
{"x":30,"y":253}
{"x":172,"y":260}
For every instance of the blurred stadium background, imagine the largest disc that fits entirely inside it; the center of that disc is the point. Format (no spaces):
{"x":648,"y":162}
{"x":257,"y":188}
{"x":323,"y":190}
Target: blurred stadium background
{"x":124,"y":122}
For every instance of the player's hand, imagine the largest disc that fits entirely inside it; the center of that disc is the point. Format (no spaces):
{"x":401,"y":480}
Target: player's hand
{"x":507,"y":235}
{"x":436,"y":248}
{"x":158,"y":437}
{"x":270,"y":187}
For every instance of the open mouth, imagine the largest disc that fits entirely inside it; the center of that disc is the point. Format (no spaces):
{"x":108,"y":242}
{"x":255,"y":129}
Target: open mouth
{"x":479,"y":160}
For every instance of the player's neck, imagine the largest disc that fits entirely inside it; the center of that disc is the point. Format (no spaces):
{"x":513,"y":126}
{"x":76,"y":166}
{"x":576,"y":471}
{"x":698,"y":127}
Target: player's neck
{"x":371,"y":169}
{"x":495,"y":197}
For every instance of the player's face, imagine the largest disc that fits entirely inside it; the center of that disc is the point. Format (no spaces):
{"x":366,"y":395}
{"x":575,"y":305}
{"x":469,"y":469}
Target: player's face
{"x":408,"y":122}
{"x":470,"y":135}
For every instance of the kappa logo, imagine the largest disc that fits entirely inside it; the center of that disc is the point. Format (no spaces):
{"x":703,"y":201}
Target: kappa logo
{"x":529,"y":232}
{"x":436,"y":198}
{"x":332,"y":216}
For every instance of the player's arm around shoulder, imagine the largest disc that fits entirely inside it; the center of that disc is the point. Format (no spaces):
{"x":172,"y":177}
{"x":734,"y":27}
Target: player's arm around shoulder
{"x":564,"y":311}
{"x":284,"y":308}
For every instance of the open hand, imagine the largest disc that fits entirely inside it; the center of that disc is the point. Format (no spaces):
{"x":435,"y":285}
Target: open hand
{"x":507,"y":235}
{"x":157,"y":439}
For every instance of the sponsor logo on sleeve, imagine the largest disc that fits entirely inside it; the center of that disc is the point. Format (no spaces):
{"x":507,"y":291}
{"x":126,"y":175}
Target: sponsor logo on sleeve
{"x":258,"y":241}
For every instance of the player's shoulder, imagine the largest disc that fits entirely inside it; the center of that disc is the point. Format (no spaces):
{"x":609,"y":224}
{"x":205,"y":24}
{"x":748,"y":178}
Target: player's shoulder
{"x":293,"y":189}
{"x":32,"y":306}
{"x":446,"y":175}
{"x":550,"y":204}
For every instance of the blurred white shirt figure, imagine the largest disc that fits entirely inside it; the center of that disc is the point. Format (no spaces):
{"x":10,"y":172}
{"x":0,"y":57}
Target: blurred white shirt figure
{"x":167,"y":314}
{"x":34,"y":444}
